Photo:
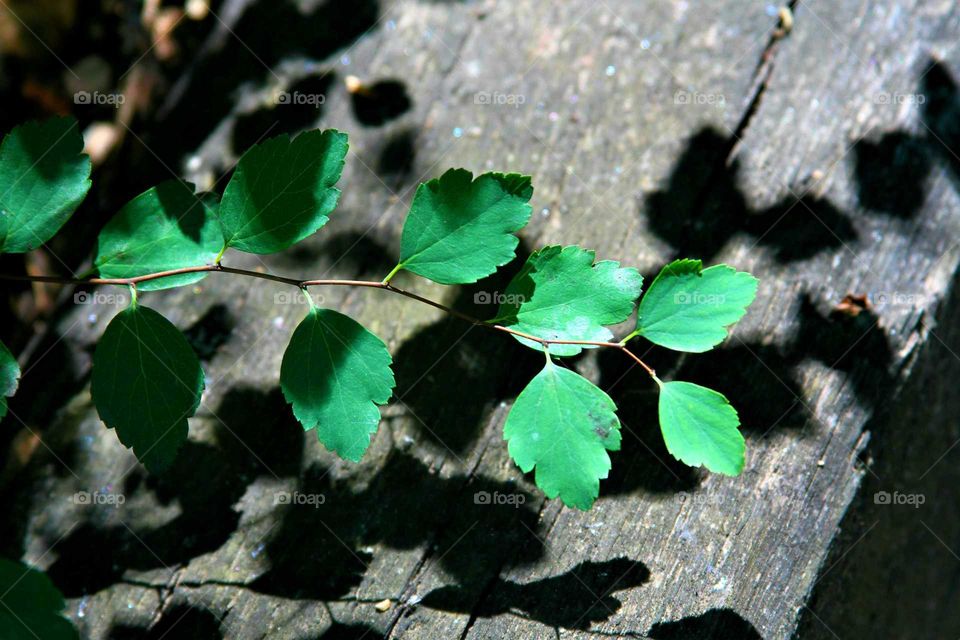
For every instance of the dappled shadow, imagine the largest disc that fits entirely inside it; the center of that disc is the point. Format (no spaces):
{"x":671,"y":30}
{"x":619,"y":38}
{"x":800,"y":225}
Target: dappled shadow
{"x":246,"y":53}
{"x":380,"y":102}
{"x":211,"y":331}
{"x":297,"y":108}
{"x":715,"y":624}
{"x":180,"y":621}
{"x":405,"y":506}
{"x":759,"y":380}
{"x":255,"y":436}
{"x":397,"y":156}
{"x":703,"y":207}
{"x":893,"y":171}
{"x":572,"y":600}
{"x":340,"y":631}
{"x":451,"y":374}
{"x":352,"y":254}
{"x":643,"y":461}
{"x":856,"y":345}
{"x":762,"y":381}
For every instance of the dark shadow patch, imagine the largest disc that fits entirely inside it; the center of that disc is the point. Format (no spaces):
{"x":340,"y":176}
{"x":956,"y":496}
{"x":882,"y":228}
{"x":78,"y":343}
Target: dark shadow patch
{"x":406,"y":505}
{"x":257,"y":436}
{"x":340,"y":631}
{"x":576,"y":599}
{"x":243,"y":54}
{"x":940,"y":114}
{"x":397,"y":156}
{"x":703,"y":207}
{"x":891,"y":174}
{"x":451,"y":374}
{"x":380,"y":102}
{"x":211,"y":331}
{"x":297,"y":109}
{"x":643,"y":461}
{"x":715,"y":624}
{"x":351,"y":253}
{"x":855,"y":345}
{"x":759,"y":380}
{"x":181,"y":621}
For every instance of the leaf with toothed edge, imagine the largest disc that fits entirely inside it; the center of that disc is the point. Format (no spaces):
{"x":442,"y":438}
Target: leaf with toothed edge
{"x":146,"y":382}
{"x":282,"y":191}
{"x":701,"y":428}
{"x":561,"y":294}
{"x":688,"y":308}
{"x":335,"y":373}
{"x":563,"y":425}
{"x":460,"y":229}
{"x":44,"y":176}
{"x":164,"y":228}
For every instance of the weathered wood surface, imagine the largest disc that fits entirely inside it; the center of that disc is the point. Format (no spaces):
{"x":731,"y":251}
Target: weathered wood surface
{"x":805,"y":159}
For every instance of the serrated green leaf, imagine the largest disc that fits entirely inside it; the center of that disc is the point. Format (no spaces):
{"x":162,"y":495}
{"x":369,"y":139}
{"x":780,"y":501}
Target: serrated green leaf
{"x":283,"y":191}
{"x":688,"y":308}
{"x":31,"y":607}
{"x":560,"y":294}
{"x":334,"y":374}
{"x":43,"y":179}
{"x":563,"y":425}
{"x":9,"y":377}
{"x":700,"y":427}
{"x":460,"y":229}
{"x":146,"y":382}
{"x":166,"y":227}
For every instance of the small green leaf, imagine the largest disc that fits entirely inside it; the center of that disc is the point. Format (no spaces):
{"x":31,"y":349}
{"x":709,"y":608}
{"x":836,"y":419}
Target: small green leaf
{"x":700,"y":427}
{"x":146,"y":382}
{"x":563,"y":425}
{"x":9,"y":377}
{"x":166,"y":227}
{"x":31,"y":607}
{"x":334,"y":374}
{"x":43,"y":179}
{"x":283,"y":191}
{"x":560,"y":294}
{"x":688,"y":308}
{"x":460,"y":230}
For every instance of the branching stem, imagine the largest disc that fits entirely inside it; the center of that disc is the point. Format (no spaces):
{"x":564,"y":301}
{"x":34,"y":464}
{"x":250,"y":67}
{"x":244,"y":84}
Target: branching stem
{"x":304,"y":284}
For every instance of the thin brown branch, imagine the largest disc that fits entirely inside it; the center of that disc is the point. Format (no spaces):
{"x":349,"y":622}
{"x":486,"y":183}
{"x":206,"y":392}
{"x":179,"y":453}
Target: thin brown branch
{"x":304,"y":284}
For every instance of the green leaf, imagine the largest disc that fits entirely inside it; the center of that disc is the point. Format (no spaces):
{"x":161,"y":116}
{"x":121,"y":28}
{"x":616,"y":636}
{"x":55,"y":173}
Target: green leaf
{"x":9,"y":377}
{"x":688,"y":308}
{"x":282,"y":191}
{"x":166,"y":227}
{"x":560,"y":294}
{"x":700,"y":427}
{"x":563,"y":425}
{"x":146,"y":382}
{"x":334,"y":374}
{"x":43,"y":179}
{"x":31,"y":607}
{"x":460,"y":229}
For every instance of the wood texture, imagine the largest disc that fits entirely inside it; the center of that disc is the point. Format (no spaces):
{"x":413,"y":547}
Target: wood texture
{"x":652,"y":130}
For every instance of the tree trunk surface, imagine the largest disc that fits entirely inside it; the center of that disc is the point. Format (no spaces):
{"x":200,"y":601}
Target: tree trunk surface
{"x":817,"y":157}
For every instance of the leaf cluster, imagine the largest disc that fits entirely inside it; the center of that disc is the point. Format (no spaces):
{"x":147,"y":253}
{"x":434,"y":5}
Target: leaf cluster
{"x":147,"y":381}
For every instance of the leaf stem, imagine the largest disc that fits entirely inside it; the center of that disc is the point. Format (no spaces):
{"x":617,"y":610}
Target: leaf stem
{"x":392,"y":273}
{"x":304,"y":284}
